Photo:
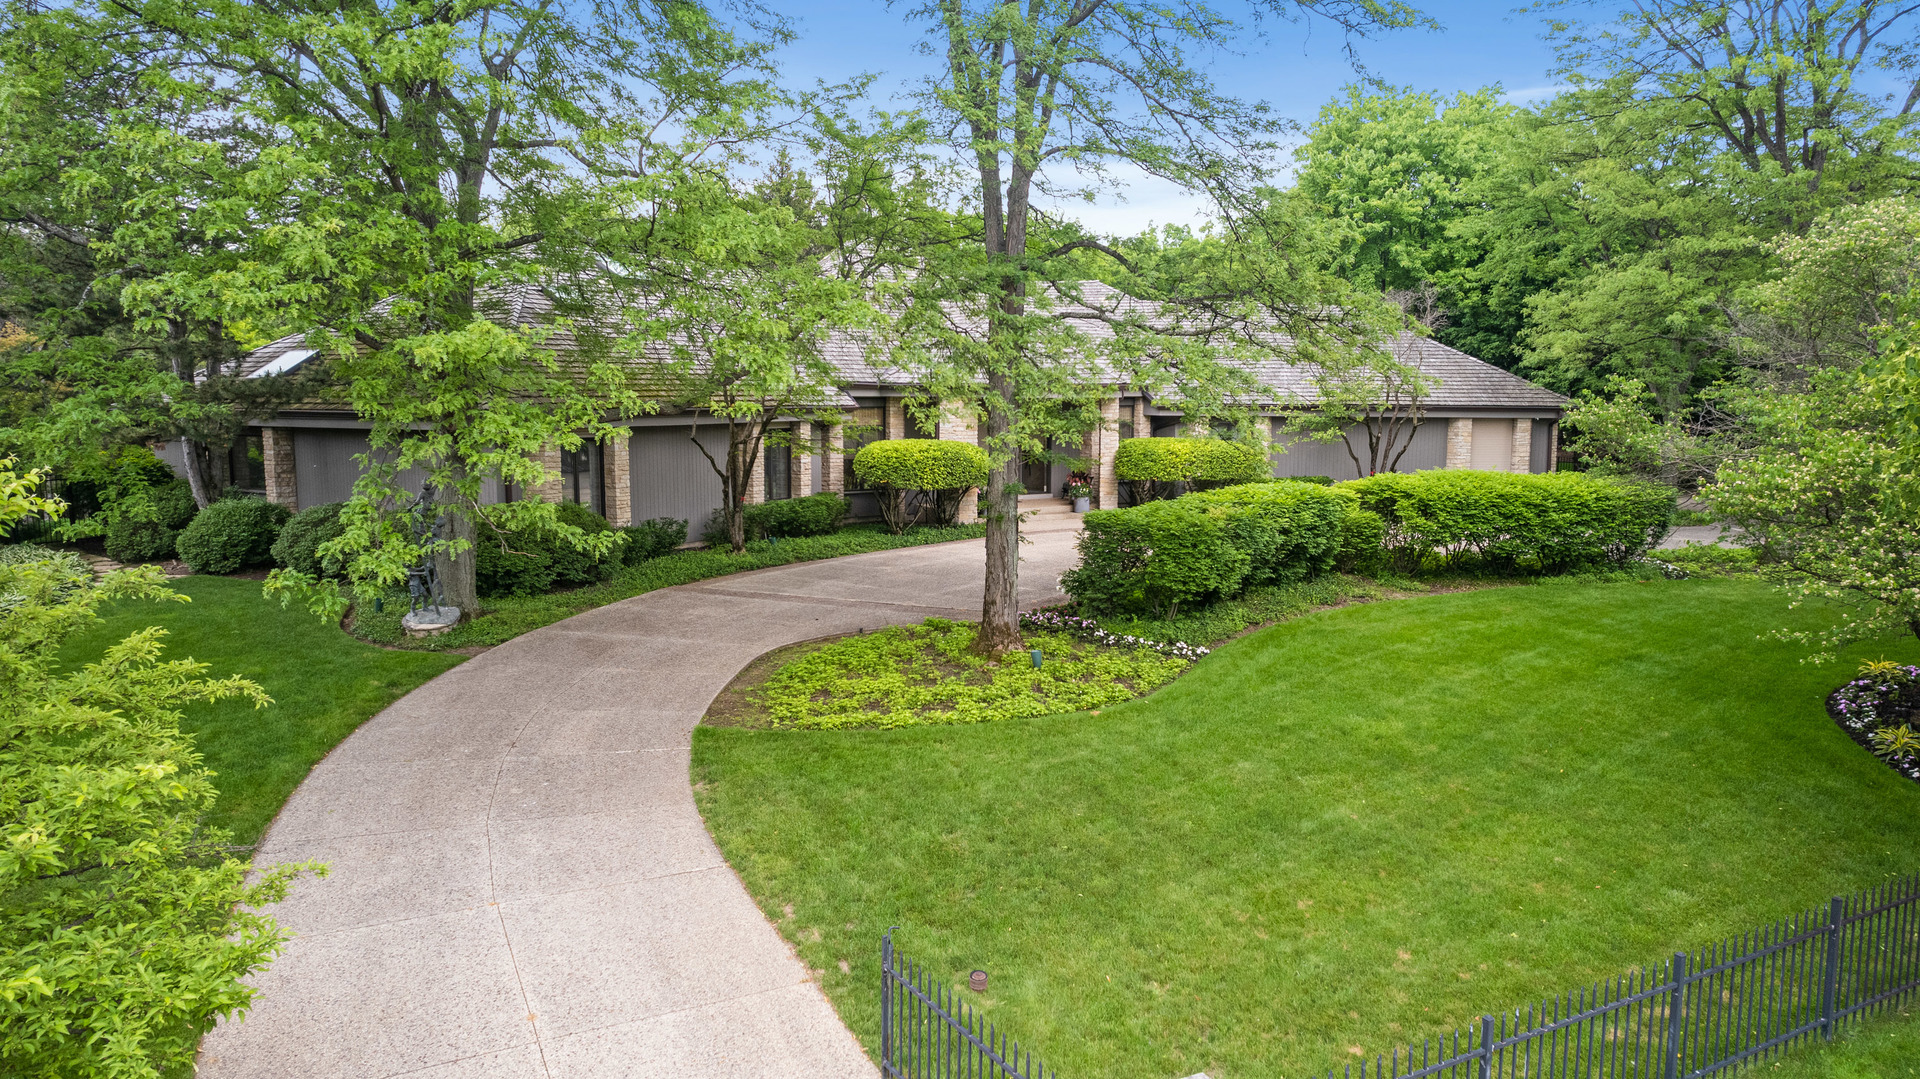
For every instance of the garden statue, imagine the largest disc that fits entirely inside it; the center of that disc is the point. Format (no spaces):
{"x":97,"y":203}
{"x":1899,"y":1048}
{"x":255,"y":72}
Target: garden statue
{"x":427,"y":610}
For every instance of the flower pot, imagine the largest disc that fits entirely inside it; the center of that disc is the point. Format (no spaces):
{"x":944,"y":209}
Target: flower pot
{"x":1080,"y":505}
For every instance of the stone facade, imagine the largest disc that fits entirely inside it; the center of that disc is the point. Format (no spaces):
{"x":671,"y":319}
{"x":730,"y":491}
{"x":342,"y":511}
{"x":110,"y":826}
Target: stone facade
{"x":958,"y":424}
{"x":832,"y":461}
{"x":896,"y":418}
{"x":616,"y":467}
{"x":1522,"y":461}
{"x":803,"y":462}
{"x":1101,"y":445}
{"x":1459,"y":443}
{"x":276,"y":453}
{"x":549,"y":488}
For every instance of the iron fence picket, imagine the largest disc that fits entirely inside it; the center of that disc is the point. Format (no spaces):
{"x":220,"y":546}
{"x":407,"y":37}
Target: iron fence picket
{"x":944,"y":1037}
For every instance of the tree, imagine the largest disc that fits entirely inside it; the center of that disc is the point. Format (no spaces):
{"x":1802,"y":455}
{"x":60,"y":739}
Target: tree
{"x":1392,"y":168}
{"x":1081,"y":85}
{"x":126,"y":926}
{"x":427,"y":165}
{"x":83,"y":214}
{"x":733,"y":292}
{"x":1376,"y":388}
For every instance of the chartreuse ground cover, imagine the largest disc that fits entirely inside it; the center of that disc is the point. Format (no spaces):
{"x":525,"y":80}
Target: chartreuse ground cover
{"x":911,"y":675}
{"x":323,"y":684}
{"x":1351,"y":830}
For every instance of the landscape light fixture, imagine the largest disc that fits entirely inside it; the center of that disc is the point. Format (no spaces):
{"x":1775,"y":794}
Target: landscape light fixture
{"x":1036,"y":658}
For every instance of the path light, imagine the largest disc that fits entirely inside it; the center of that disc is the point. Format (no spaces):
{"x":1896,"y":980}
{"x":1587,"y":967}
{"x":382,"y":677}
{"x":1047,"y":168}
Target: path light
{"x":977,"y":981}
{"x":1036,"y":658}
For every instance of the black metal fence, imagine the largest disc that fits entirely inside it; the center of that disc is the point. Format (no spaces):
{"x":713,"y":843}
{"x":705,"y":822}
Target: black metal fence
{"x":927,"y":1032}
{"x":1742,"y":1000}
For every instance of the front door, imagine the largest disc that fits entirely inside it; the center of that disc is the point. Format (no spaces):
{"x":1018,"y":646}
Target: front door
{"x":1035,"y":472}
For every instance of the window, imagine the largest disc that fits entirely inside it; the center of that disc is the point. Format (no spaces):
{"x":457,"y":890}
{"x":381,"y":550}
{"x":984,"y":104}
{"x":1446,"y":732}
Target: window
{"x":580,"y":477}
{"x":778,"y":470}
{"x":916,"y":430}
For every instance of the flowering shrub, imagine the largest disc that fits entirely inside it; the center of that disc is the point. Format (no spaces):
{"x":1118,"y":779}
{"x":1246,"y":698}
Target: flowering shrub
{"x":1877,"y":709}
{"x":1087,"y":629}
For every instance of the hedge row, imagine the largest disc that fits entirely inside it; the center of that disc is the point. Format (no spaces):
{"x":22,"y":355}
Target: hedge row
{"x":1190,"y":460}
{"x":1547,"y":523}
{"x":1158,"y":557}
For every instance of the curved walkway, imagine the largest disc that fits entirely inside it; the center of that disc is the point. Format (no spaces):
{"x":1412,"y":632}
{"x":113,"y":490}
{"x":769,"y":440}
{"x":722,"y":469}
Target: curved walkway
{"x":521,"y":886}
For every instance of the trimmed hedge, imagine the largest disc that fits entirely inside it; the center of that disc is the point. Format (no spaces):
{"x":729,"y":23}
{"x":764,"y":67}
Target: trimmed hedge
{"x":1551,"y":522}
{"x":1289,"y":531}
{"x":232,"y":534}
{"x":1154,"y":466}
{"x":528,"y":564}
{"x":1154,"y":559}
{"x":298,"y":547}
{"x":913,"y":475}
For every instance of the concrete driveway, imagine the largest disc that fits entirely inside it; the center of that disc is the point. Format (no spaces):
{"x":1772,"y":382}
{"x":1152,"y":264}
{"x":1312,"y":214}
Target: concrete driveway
{"x":521,"y":886}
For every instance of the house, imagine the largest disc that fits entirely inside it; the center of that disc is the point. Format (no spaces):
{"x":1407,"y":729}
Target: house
{"x":1478,"y":416}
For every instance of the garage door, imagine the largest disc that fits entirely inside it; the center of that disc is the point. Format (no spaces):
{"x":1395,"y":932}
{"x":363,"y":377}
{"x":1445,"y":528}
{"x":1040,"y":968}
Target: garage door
{"x":671,"y":477}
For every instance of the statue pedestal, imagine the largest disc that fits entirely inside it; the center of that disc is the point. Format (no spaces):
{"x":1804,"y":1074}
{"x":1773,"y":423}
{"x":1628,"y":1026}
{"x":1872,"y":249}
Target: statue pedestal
{"x":430,"y":621}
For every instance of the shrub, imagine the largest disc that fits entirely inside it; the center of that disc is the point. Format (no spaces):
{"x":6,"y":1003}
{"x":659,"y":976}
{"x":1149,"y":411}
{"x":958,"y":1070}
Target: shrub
{"x":1156,"y":467}
{"x":517,"y":564}
{"x":651,"y":539}
{"x":1289,"y":531}
{"x":814,"y":515}
{"x":1362,"y":539}
{"x":915,"y":476}
{"x":130,"y":540}
{"x":1546,"y":523}
{"x":298,"y":547}
{"x":232,"y":534}
{"x":1153,"y":559}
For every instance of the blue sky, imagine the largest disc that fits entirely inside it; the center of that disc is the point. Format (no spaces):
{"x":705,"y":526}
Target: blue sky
{"x":1298,"y":67}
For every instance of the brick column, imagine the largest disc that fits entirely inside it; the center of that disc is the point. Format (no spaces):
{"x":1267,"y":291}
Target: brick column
{"x":1140,"y":426}
{"x":802,"y":458}
{"x":548,"y":489}
{"x":1522,"y":459}
{"x":958,"y":424}
{"x":1097,"y":457}
{"x":616,"y":475}
{"x":1553,"y":447}
{"x":834,"y":461}
{"x":895,"y":423}
{"x":1459,"y":443}
{"x":756,"y":491}
{"x":276,"y":452}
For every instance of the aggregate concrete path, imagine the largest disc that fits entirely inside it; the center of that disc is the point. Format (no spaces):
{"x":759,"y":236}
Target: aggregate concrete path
{"x":521,"y":887}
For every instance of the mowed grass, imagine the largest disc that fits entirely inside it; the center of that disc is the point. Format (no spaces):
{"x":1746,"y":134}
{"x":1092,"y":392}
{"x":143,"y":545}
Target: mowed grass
{"x":1345,"y":832}
{"x":323,"y":683}
{"x":1883,"y":1047}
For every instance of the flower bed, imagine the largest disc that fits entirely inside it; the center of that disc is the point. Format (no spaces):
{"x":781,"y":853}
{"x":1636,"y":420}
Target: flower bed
{"x":1087,"y":629}
{"x":1877,"y":711}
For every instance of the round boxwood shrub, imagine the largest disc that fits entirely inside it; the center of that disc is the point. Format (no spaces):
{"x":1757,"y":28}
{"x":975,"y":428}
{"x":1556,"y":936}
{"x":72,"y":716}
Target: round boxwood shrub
{"x":915,"y":476}
{"x":129,"y":540}
{"x":232,"y":534}
{"x":814,"y":515}
{"x":298,"y":547}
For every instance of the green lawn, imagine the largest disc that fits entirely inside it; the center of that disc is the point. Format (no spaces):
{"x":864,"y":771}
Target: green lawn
{"x":1347,"y":831}
{"x":1885,"y":1047}
{"x":323,"y":683}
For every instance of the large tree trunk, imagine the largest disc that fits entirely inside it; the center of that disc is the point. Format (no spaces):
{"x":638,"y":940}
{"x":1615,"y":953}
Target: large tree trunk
{"x":458,"y":581}
{"x":1000,"y":601}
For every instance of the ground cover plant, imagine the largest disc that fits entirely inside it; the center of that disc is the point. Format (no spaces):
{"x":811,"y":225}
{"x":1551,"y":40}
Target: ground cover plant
{"x":323,"y":684}
{"x":904,"y":676}
{"x":1351,"y":830}
{"x":507,"y":617}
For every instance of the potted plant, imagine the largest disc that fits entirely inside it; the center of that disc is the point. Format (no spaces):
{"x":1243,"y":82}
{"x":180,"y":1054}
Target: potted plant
{"x":1081,"y":492}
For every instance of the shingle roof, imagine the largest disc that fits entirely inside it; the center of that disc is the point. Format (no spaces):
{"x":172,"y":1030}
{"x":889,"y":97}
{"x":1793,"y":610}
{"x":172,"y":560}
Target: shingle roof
{"x":1460,"y":380}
